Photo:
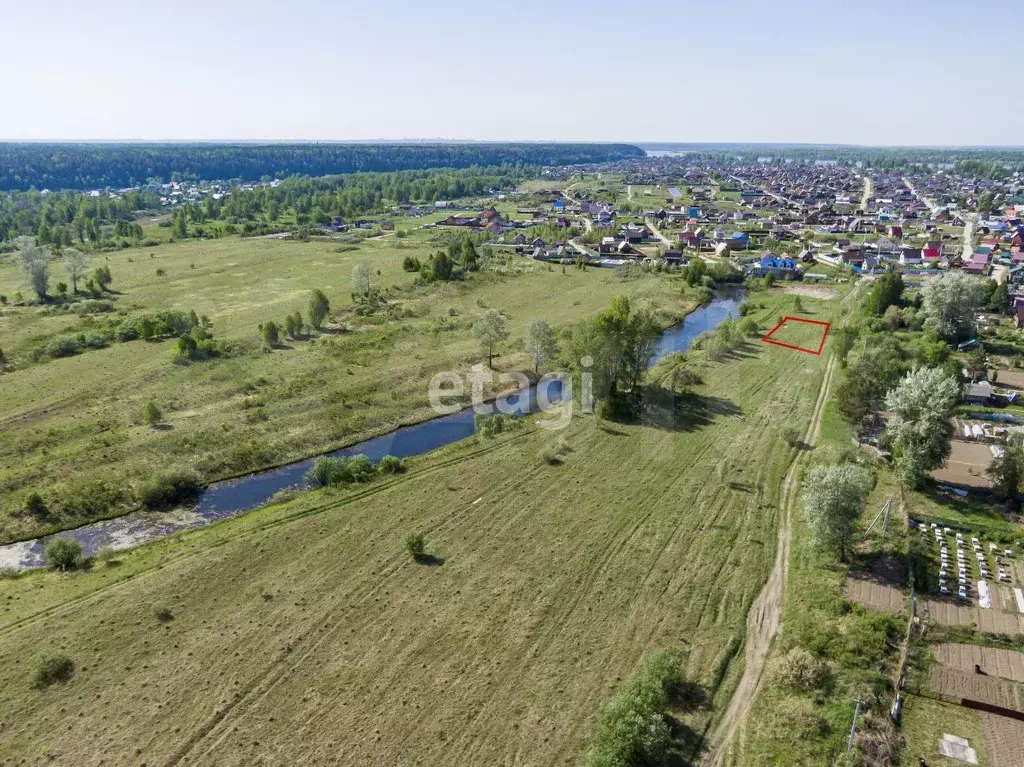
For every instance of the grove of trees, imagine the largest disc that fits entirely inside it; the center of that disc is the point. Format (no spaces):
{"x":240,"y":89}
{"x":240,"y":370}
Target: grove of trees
{"x":96,"y":166}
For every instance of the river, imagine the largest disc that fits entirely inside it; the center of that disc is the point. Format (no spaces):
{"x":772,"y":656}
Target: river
{"x":237,"y":496}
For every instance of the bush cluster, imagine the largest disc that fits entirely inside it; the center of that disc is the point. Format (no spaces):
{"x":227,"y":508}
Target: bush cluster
{"x":63,"y":554}
{"x":491,"y":425}
{"x":344,"y":470}
{"x":632,"y":729}
{"x":164,"y":491}
{"x":51,"y":668}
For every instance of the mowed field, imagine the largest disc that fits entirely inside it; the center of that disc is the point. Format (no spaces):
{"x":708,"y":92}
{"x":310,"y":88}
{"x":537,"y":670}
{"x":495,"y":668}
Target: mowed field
{"x":303,"y":633}
{"x":68,"y":422}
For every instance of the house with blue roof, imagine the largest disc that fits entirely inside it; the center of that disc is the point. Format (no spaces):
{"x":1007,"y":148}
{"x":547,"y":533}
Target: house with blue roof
{"x":779,"y":267}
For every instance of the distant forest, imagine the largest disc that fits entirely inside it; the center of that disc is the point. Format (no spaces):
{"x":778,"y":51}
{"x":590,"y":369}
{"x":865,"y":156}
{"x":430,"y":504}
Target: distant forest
{"x":72,"y":218}
{"x":97,"y":166}
{"x":994,"y":162}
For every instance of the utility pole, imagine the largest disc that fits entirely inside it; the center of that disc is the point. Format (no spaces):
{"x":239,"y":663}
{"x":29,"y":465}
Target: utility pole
{"x":853,"y":730}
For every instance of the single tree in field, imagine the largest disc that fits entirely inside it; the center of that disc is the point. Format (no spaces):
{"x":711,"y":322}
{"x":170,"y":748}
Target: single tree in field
{"x":319,"y":308}
{"x":362,"y":282}
{"x":490,"y":330}
{"x":271,"y":334}
{"x":77,"y":264}
{"x":102,"y":277}
{"x":541,"y":342}
{"x":1007,"y":470}
{"x":833,"y":497}
{"x":291,"y":326}
{"x":415,"y":545}
{"x":921,"y":426}
{"x":151,"y":414}
{"x":36,"y":265}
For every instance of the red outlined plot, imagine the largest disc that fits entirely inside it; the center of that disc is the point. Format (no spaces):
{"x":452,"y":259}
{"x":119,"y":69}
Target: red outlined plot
{"x":826,"y":325}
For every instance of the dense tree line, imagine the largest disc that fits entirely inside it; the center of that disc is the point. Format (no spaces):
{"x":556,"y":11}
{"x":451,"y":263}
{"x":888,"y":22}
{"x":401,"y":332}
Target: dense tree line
{"x":73,"y":218}
{"x":96,"y":166}
{"x":986,"y":163}
{"x":68,"y":218}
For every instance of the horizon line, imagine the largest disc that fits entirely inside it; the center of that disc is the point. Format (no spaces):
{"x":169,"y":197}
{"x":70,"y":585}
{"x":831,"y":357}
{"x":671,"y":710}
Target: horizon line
{"x":440,"y":141}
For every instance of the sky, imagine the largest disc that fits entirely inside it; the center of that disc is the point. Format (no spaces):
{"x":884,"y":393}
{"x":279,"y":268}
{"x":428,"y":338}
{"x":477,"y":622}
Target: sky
{"x":900,"y":72}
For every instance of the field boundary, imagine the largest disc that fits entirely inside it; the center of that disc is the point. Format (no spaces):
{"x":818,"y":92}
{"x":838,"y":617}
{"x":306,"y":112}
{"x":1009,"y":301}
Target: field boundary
{"x":824,"y":337}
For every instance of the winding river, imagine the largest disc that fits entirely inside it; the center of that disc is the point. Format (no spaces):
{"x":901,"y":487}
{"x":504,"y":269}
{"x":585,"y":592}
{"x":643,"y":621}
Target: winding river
{"x":237,"y":496}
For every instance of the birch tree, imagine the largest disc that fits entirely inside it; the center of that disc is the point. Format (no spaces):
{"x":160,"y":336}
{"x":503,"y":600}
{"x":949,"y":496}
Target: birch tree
{"x":951,"y":303}
{"x":541,"y":342}
{"x":833,"y":497}
{"x":921,"y":426}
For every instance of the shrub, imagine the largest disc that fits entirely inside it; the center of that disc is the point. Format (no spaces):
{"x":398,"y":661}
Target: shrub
{"x":632,"y":727}
{"x":91,"y":499}
{"x":415,"y":545}
{"x":63,"y":553}
{"x":411,"y":264}
{"x":391,"y":465}
{"x":151,"y":414}
{"x":35,"y":505}
{"x":163,"y":612}
{"x":361,"y":468}
{"x":327,"y":471}
{"x":94,"y":340}
{"x":792,"y":435}
{"x":748,"y":326}
{"x":271,"y":334}
{"x":51,"y":668}
{"x":171,"y":489}
{"x":490,"y":425}
{"x":550,"y":456}
{"x":799,"y":670}
{"x":63,"y":346}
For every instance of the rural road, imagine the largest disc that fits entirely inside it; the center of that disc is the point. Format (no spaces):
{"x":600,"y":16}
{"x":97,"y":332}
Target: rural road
{"x":765,"y":616}
{"x":869,"y":188}
{"x":932,"y":205}
{"x":970,"y":222}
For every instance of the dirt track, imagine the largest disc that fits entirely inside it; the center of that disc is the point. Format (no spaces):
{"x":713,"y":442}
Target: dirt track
{"x":765,"y":617}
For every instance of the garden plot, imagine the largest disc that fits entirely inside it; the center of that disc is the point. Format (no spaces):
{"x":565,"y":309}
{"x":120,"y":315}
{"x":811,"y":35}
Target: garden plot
{"x":1006,"y":664}
{"x":1004,"y":738}
{"x":967,"y":685}
{"x":875,"y":596}
{"x":971,"y":568}
{"x":966,"y":465}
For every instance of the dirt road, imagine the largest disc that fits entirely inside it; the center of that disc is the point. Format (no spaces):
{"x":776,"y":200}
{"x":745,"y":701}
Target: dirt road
{"x":869,"y":189}
{"x":970,"y":222}
{"x":765,"y":617}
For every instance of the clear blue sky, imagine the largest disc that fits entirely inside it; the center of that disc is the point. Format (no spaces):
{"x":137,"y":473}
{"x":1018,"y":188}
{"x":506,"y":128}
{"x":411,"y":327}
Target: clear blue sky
{"x":894,"y":72}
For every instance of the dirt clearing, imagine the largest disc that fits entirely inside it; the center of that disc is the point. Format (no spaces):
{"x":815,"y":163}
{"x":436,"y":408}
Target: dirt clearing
{"x":812,"y":291}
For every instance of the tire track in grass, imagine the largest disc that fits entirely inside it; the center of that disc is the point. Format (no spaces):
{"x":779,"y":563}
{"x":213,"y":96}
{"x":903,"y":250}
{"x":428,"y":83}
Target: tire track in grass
{"x":765,"y":617}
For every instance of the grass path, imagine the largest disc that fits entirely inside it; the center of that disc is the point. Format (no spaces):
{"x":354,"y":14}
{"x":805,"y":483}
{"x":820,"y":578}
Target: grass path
{"x":765,"y":617}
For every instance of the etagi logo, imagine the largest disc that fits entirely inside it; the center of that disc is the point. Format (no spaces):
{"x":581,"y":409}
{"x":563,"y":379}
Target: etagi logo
{"x":552,"y":394}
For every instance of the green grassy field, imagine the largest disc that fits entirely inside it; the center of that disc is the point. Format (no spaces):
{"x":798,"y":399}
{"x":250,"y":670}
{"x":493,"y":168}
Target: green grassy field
{"x":67,"y":422}
{"x":926,"y":721}
{"x":304,"y":633}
